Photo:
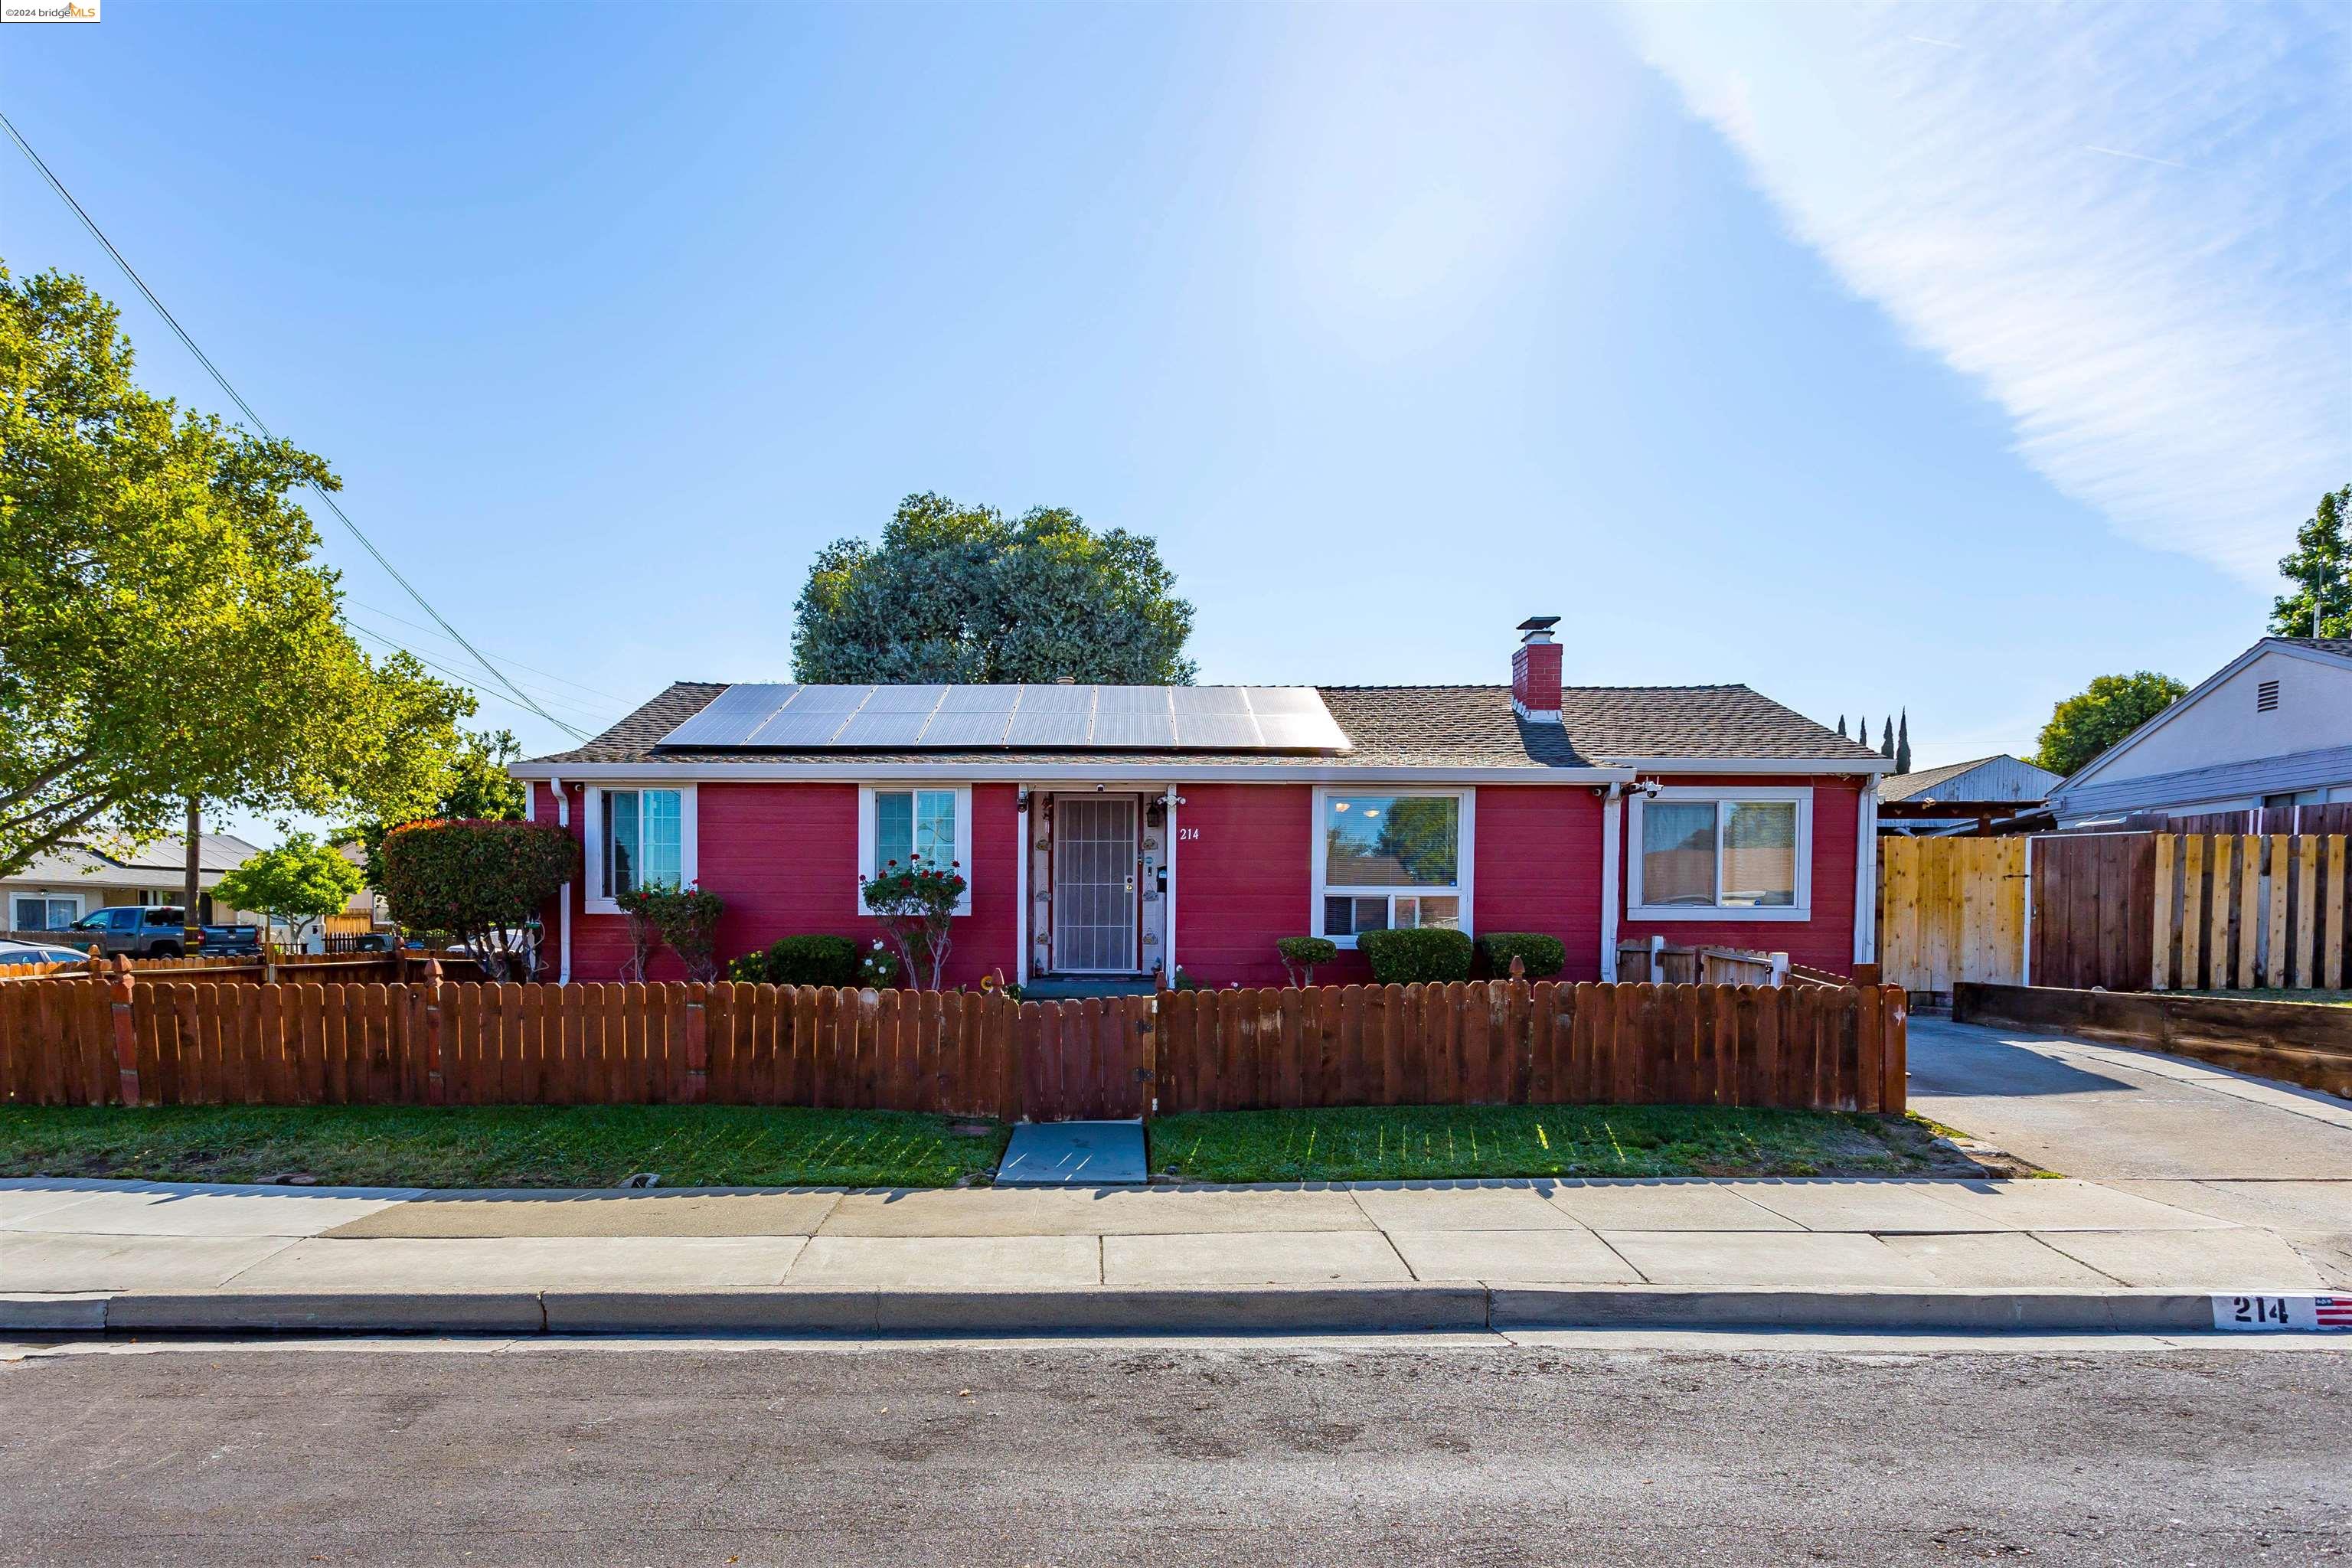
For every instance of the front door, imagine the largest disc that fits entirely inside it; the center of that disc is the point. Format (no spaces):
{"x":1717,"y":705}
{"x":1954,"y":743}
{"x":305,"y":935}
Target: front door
{"x":1094,"y":884}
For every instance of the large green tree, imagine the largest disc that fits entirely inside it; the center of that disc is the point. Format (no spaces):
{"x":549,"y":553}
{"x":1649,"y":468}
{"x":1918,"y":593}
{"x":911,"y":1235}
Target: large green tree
{"x":2321,"y":570}
{"x":166,"y":636}
{"x":300,"y":882}
{"x":478,"y":789}
{"x":2086,"y":724}
{"x":958,"y":594}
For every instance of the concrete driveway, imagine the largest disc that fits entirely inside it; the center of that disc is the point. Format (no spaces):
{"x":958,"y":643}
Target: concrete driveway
{"x":2239,"y":1149}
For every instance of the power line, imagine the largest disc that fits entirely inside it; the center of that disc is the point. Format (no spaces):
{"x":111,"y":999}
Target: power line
{"x":259,"y":423}
{"x":469,"y":682}
{"x":516,"y":663}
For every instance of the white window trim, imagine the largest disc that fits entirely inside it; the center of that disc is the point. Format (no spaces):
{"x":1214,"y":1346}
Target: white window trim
{"x":866,"y":870}
{"x":45,"y":897}
{"x":1803,"y":907}
{"x":1465,"y":852}
{"x":596,"y":901}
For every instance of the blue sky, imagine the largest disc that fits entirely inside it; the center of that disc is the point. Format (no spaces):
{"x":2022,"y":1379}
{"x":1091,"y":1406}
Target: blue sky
{"x":1937,"y":357}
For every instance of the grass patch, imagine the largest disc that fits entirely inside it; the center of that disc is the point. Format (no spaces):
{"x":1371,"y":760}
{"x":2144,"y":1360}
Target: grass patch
{"x":2278,"y":994}
{"x":498,"y":1146}
{"x":1421,"y":1142}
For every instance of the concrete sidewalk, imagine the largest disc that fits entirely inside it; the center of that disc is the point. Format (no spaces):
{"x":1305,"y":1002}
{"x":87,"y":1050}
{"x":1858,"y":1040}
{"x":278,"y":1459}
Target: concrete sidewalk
{"x":1433,"y":1254}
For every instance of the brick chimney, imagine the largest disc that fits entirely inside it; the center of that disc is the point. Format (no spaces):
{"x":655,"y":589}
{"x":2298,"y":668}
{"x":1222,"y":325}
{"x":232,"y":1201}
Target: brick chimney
{"x":1535,"y":672}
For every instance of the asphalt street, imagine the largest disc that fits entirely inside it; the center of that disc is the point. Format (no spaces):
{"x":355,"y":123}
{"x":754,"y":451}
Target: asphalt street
{"x":1476,"y":1452}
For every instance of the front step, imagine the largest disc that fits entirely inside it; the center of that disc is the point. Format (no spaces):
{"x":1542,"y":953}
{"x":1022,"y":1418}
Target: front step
{"x":1073,"y":1155}
{"x":1051,"y":988}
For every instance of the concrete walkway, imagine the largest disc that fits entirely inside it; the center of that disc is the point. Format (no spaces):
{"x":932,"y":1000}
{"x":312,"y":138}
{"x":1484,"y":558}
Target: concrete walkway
{"x":94,"y":1237}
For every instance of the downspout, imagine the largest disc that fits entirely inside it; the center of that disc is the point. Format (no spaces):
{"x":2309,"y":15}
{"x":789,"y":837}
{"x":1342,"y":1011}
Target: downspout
{"x":563,"y":919}
{"x":1866,"y":873}
{"x":1167,"y":902}
{"x":1611,"y":834}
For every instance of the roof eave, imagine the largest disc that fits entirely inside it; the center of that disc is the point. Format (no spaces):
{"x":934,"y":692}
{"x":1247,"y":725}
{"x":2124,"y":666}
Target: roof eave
{"x":1015,"y":770}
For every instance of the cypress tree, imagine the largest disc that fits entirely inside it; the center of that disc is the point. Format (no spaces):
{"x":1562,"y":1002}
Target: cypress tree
{"x":1903,"y":745}
{"x":1886,"y":740}
{"x":1842,"y":734}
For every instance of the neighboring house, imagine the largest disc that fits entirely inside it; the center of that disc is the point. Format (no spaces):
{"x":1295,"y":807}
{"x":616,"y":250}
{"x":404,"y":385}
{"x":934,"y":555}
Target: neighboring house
{"x":2272,"y":729}
{"x":1115,"y":831}
{"x":368,"y":912}
{"x":68,"y":883}
{"x":1977,"y":791}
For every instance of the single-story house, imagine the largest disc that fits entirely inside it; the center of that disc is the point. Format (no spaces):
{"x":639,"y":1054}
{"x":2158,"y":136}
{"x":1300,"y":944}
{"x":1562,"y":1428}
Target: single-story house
{"x":61,"y":887}
{"x":1114,"y":831}
{"x":2272,"y":729}
{"x":1975,"y":791}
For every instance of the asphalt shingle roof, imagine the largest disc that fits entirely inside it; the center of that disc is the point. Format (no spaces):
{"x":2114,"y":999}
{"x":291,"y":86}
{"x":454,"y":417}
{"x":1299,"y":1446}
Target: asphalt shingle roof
{"x":1387,"y":726}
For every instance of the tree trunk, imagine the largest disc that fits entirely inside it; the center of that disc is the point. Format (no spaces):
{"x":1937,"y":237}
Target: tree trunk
{"x":191,"y":885}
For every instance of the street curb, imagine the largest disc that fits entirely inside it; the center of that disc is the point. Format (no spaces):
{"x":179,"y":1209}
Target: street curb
{"x":1098,"y":1309}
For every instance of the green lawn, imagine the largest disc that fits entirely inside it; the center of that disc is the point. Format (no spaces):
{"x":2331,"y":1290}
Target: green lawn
{"x":1417,"y":1142}
{"x":2318,"y":998}
{"x":498,"y":1146}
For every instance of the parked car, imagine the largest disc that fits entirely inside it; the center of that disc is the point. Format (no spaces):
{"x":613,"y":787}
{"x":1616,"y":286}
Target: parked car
{"x":231,"y":941}
{"x":15,"y":953}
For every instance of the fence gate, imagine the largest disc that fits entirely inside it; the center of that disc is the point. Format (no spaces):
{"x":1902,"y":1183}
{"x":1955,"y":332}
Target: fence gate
{"x":2094,"y":898}
{"x":1951,"y":908}
{"x":1087,"y":1060}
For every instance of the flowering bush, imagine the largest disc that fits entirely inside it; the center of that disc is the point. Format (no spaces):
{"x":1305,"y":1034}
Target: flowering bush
{"x":645,"y":934}
{"x":879,"y":966}
{"x":917,"y":908}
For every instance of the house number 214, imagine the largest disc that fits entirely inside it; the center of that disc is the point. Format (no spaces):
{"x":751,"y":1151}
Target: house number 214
{"x":1187,"y":834}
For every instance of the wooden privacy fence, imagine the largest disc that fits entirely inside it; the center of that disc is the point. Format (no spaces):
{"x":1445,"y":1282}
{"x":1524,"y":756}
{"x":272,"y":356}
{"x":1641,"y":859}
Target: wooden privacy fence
{"x":2239,"y":911}
{"x":90,"y":1042}
{"x":1659,"y":962}
{"x":1951,"y":909}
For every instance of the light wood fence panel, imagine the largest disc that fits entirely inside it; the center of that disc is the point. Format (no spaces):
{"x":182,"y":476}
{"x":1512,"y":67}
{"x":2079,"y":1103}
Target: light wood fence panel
{"x":1951,"y":909}
{"x":2246,"y":911}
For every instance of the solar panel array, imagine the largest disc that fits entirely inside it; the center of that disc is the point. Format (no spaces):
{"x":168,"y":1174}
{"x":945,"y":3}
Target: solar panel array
{"x":1020,"y":717}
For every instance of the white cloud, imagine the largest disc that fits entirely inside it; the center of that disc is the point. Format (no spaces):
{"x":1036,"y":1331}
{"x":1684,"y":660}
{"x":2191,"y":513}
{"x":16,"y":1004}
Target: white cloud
{"x":2130,"y":225}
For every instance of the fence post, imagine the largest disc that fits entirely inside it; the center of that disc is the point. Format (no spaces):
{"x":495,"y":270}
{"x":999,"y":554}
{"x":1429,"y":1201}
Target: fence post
{"x":697,"y":1087}
{"x":1779,"y":969}
{"x":436,"y":1088}
{"x":1657,"y":960}
{"x":126,"y":1030}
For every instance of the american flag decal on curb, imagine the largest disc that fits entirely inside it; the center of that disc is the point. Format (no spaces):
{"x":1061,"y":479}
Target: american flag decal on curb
{"x":2282,"y":1314}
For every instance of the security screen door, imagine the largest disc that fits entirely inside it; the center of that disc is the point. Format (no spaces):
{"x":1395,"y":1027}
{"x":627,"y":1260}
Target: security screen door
{"x":1094,"y":884}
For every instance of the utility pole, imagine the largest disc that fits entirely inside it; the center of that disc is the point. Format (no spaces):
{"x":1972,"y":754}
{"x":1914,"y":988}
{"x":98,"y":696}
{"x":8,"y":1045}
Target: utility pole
{"x":192,"y":931}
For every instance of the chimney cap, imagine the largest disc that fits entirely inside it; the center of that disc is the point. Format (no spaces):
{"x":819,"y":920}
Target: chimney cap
{"x":1539,"y":627}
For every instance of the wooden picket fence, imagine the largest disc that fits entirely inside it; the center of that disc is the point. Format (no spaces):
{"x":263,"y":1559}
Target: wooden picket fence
{"x":2240,"y":911}
{"x":136,"y":1041}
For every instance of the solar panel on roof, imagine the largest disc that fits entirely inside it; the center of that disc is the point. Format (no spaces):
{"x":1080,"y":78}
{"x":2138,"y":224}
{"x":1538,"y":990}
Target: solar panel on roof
{"x":934,"y":717}
{"x":1056,"y":699}
{"x":728,"y":718}
{"x":1218,"y":732}
{"x":1208,"y":699}
{"x":948,"y":728}
{"x":1131,"y":699}
{"x":1142,"y":729}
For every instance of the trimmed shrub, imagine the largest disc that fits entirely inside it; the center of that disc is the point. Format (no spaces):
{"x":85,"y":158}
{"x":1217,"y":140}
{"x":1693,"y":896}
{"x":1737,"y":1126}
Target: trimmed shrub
{"x":483,"y":882}
{"x":1416,"y":957}
{"x":1544,"y":956}
{"x":810,"y":960}
{"x":1300,"y":954}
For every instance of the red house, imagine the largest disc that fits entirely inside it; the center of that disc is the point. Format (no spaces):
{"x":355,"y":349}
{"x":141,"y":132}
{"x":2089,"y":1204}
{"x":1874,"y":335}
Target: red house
{"x":1108,"y":832}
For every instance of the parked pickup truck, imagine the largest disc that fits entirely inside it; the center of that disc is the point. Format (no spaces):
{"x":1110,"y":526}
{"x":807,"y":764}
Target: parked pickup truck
{"x":156,"y":932}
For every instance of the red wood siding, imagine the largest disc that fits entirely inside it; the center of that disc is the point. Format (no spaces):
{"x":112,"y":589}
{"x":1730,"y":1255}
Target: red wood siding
{"x":1244,"y":882}
{"x":784,"y":859}
{"x":1824,"y":941}
{"x":1536,"y":867}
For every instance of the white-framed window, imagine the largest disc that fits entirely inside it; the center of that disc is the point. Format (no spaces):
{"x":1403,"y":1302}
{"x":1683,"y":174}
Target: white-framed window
{"x":43,"y":911}
{"x":1720,"y":853}
{"x":1391,"y":860}
{"x":637,"y":835}
{"x":899,"y":822}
